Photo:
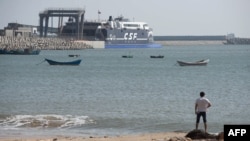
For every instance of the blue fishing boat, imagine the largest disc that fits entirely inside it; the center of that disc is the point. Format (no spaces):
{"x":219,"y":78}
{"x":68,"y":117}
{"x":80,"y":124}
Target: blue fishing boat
{"x":71,"y":63}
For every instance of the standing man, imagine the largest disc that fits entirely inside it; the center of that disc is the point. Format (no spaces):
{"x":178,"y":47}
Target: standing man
{"x":201,"y":106}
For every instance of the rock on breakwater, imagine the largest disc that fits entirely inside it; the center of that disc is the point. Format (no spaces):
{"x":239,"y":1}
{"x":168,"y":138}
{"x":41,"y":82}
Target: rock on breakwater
{"x":15,"y":43}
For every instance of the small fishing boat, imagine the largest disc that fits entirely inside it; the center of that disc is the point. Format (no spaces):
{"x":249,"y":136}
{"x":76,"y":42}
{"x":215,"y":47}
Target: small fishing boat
{"x":74,"y":55}
{"x":127,"y":56}
{"x":158,"y":56}
{"x":197,"y":63}
{"x":71,"y":63}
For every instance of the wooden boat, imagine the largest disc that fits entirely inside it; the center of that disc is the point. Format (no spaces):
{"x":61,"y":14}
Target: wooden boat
{"x":74,"y":55}
{"x":127,"y":56}
{"x":71,"y":63}
{"x":159,"y":56}
{"x":197,"y":63}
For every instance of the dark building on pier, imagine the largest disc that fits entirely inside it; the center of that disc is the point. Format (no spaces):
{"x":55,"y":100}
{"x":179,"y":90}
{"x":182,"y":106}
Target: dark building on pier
{"x":88,"y":32}
{"x":16,"y":30}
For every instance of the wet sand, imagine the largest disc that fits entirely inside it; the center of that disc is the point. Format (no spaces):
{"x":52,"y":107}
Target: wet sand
{"x":142,"y":137}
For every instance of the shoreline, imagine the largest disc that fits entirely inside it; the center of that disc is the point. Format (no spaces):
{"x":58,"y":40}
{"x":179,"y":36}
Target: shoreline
{"x":131,"y":137}
{"x":194,"y":135}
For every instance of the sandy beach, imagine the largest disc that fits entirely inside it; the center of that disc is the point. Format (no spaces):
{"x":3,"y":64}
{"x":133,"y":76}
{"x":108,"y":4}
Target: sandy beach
{"x":141,"y":137}
{"x":167,"y":136}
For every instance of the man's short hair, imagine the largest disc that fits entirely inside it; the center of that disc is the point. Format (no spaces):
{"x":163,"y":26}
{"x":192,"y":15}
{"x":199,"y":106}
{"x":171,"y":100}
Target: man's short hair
{"x":202,"y":94}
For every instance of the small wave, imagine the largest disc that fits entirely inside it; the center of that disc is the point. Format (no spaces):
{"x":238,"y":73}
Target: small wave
{"x":45,"y":121}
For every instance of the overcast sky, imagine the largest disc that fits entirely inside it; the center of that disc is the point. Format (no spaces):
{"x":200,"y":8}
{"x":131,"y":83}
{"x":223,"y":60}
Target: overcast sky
{"x":166,"y":17}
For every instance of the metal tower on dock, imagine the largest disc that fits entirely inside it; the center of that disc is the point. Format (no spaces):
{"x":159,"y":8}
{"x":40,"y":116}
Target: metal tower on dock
{"x":77,"y":14}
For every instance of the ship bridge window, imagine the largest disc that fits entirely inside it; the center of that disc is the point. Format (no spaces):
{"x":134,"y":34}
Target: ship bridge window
{"x":131,"y":25}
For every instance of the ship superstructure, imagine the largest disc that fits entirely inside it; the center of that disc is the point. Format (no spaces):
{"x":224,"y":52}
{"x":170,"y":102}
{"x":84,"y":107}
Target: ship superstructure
{"x":122,"y":33}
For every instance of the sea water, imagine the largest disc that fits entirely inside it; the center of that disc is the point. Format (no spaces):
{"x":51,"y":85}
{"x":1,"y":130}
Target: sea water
{"x":110,"y":95}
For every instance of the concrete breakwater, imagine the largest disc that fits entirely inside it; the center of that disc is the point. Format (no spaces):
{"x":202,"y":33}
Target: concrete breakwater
{"x":15,"y":43}
{"x":238,"y":41}
{"x":190,"y":40}
{"x":186,"y":43}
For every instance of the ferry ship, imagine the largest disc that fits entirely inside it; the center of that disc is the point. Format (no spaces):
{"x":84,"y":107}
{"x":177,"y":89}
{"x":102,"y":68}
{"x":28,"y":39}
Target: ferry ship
{"x":122,"y":33}
{"x":117,"y":33}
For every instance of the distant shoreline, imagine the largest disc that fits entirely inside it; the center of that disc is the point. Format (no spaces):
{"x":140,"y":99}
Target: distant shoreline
{"x":14,"y":43}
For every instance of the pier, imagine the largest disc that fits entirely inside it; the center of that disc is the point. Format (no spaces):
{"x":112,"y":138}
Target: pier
{"x":238,"y":41}
{"x":190,"y":40}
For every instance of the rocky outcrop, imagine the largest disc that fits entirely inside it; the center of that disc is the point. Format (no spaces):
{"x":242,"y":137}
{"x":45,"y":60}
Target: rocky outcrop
{"x":200,"y":134}
{"x":179,"y":139}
